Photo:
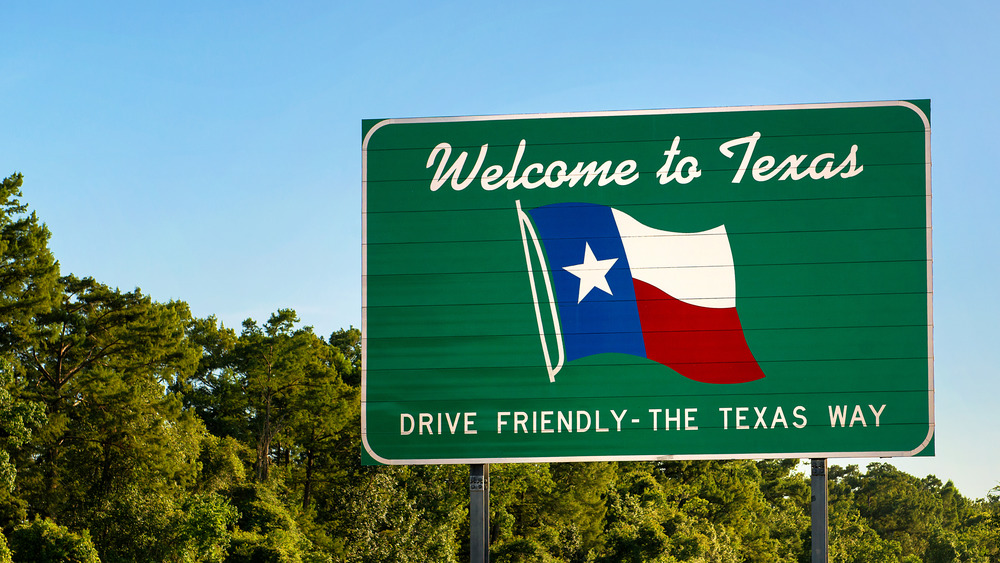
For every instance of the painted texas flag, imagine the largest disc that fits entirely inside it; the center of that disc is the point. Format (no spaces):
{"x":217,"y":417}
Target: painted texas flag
{"x":617,"y":285}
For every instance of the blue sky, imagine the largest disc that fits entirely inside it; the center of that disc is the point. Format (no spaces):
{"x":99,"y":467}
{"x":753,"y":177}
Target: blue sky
{"x":210,"y":151}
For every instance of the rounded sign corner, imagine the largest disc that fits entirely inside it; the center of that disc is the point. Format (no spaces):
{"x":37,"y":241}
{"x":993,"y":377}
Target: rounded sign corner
{"x":917,"y":110}
{"x":371,"y":452}
{"x":369,"y":127}
{"x":928,"y":440}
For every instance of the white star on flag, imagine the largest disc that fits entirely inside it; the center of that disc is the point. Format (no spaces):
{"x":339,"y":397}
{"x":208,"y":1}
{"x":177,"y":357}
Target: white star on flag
{"x":592,"y":273}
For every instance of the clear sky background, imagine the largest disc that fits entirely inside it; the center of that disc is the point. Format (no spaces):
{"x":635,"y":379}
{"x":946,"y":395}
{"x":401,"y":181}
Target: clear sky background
{"x":211,"y":151}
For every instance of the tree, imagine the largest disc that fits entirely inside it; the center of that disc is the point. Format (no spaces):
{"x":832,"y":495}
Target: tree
{"x":578,"y":505}
{"x":4,"y":550}
{"x":215,"y":391}
{"x":518,"y":498}
{"x":118,"y":452}
{"x":100,"y":361}
{"x":44,"y":541}
{"x":17,"y":419}
{"x":405,"y":514}
{"x":28,"y":272}
{"x":635,"y":520}
{"x":322,"y":411}
{"x":205,"y":528}
{"x":928,"y":520}
{"x":348,"y":341}
{"x":278,"y":390}
{"x":279,"y":366}
{"x":896,"y":505}
{"x":267,"y":530}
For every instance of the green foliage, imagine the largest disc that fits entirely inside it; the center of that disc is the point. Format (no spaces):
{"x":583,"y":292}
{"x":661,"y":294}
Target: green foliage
{"x":28,"y":271}
{"x":654,"y":516}
{"x":17,"y":419}
{"x":407,"y":514}
{"x":559,"y":508}
{"x":520,"y":550}
{"x":579,"y":503}
{"x":852,"y":540}
{"x":28,"y":287}
{"x":100,"y":361}
{"x":517,"y":507}
{"x":348,"y":342}
{"x":635,"y":518}
{"x":44,"y":541}
{"x":213,"y":391}
{"x":151,"y":526}
{"x":321,"y":411}
{"x":4,"y":550}
{"x":279,"y":368}
{"x":205,"y":528}
{"x":221,"y":461}
{"x":267,"y":530}
{"x":923,"y":519}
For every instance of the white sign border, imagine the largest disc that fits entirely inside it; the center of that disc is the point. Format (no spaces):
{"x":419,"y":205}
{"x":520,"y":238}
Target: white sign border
{"x":624,"y":113}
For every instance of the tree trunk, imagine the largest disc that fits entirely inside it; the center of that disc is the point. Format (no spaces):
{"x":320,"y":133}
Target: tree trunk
{"x":263,"y":464}
{"x":307,"y":489}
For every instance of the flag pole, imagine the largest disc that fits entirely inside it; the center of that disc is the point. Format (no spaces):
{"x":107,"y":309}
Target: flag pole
{"x":526,"y":230}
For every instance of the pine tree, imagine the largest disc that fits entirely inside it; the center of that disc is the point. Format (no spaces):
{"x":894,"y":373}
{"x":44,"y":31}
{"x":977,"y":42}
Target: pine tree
{"x":28,"y":272}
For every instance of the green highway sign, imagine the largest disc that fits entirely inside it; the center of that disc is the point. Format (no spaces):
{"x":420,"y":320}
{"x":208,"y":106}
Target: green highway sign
{"x":744,"y":282}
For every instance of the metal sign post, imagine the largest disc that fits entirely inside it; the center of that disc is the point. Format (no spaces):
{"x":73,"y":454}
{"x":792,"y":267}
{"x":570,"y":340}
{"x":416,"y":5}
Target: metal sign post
{"x":820,"y":519}
{"x":479,"y":513}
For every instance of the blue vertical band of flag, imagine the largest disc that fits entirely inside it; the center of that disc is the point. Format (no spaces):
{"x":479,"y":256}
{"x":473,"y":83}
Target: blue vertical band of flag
{"x":601,"y":323}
